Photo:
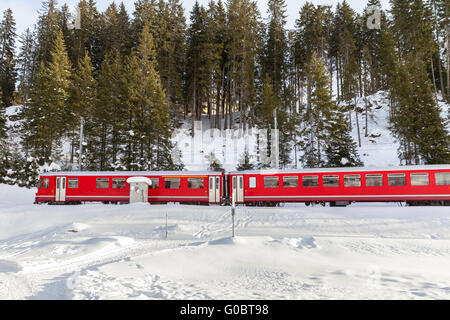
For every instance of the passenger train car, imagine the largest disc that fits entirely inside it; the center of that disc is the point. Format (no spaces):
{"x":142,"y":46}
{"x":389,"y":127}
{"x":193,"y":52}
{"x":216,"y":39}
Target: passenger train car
{"x":112,"y":187}
{"x":415,"y":185}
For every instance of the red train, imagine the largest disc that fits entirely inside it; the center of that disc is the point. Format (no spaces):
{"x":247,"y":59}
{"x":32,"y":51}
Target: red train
{"x":417,"y":185}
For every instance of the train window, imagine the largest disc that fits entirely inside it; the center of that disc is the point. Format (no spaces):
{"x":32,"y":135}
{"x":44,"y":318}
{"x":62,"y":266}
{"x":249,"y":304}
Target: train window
{"x":155,"y":183}
{"x":252,"y":182}
{"x":419,"y":179}
{"x":374,"y":180}
{"x":352,"y":180}
{"x":195,"y":183}
{"x":102,"y":183}
{"x":72,"y":183}
{"x":172,"y":183}
{"x":310,"y":181}
{"x":443,"y":178}
{"x":44,"y":183}
{"x":396,"y":179}
{"x":271,"y":182}
{"x":331,"y":181}
{"x":118,"y":183}
{"x":290,"y":182}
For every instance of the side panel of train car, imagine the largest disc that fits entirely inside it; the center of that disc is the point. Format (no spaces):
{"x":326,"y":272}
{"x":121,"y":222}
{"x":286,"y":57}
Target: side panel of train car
{"x":72,"y":187}
{"x":418,"y":185}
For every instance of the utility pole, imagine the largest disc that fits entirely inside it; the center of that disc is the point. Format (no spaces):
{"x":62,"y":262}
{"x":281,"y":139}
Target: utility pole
{"x":80,"y":156}
{"x":276,"y":142}
{"x":233,"y":210}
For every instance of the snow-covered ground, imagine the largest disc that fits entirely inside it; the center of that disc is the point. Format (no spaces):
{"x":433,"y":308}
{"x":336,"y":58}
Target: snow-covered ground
{"x":94,"y":251}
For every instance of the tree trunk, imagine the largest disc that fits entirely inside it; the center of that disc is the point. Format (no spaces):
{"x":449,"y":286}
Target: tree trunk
{"x":448,"y":53}
{"x":357,"y":124}
{"x":432,"y":75}
{"x":194,"y":101}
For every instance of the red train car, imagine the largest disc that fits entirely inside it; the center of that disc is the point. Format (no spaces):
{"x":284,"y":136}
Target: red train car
{"x":116,"y":187}
{"x":418,"y":185}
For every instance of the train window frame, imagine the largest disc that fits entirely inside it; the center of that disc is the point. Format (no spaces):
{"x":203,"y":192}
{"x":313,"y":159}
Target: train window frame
{"x":155,"y":183}
{"x":101,"y":180}
{"x":44,"y":183}
{"x":349,"y":180}
{"x":121,"y":185}
{"x":70,"y":183}
{"x":252,"y":182}
{"x":197,"y":180}
{"x":392,"y":182}
{"x":170,"y":181}
{"x":310,"y":178}
{"x":445,"y":182}
{"x":373,"y":175}
{"x":268,"y":182}
{"x":330,"y":185}
{"x":413,"y":176}
{"x":287,"y":184}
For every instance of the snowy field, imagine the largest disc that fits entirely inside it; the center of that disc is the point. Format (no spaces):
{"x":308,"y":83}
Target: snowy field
{"x":94,"y":251}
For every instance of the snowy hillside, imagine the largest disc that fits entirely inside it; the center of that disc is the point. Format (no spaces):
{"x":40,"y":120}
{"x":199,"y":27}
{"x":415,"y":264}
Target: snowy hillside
{"x":120,"y":252}
{"x":378,"y":149}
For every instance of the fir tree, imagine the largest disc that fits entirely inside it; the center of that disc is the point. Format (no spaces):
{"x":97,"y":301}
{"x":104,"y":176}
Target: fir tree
{"x":82,"y":100}
{"x":276,"y":45}
{"x":47,"y":114}
{"x":26,"y":62}
{"x":110,"y":109}
{"x":152,"y":121}
{"x":46,"y":30}
{"x":245,"y":163}
{"x":327,"y":140}
{"x":8,"y":72}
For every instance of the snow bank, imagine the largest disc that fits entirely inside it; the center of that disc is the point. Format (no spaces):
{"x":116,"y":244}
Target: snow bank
{"x":95,"y":251}
{"x":139,"y":180}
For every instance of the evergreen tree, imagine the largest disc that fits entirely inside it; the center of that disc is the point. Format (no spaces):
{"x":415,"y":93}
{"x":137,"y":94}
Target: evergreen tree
{"x":242,"y":47}
{"x":246,"y":163}
{"x":47,"y":28}
{"x":84,"y":39}
{"x":26,"y":62}
{"x":8,"y":72}
{"x":82,"y":100}
{"x":170,"y":50}
{"x":416,"y":119}
{"x":46,"y":115}
{"x":340,"y":150}
{"x":200,"y":53}
{"x":152,"y":121}
{"x":327,"y":140}
{"x":214,"y":163}
{"x":276,"y":45}
{"x":104,"y":147}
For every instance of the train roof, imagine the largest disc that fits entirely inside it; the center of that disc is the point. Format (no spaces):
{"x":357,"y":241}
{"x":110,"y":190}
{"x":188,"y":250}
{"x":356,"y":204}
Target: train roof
{"x":131,"y":173}
{"x":264,"y":171}
{"x":345,"y":169}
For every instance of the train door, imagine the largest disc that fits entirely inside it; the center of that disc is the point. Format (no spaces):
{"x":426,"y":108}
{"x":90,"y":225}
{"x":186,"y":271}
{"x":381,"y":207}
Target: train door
{"x":138,"y":192}
{"x":214,"y":189}
{"x":238,"y":188}
{"x":60,"y":195}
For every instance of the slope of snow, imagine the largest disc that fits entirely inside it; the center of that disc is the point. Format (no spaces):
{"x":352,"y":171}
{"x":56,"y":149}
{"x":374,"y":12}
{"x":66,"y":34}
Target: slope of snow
{"x":379,"y":148}
{"x":94,"y":251}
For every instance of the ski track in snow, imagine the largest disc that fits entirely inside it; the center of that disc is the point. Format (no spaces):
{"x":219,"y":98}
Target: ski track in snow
{"x":94,"y":251}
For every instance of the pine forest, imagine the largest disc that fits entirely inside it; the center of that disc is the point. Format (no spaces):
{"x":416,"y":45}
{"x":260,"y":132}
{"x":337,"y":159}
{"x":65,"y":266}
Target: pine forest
{"x":132,"y":78}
